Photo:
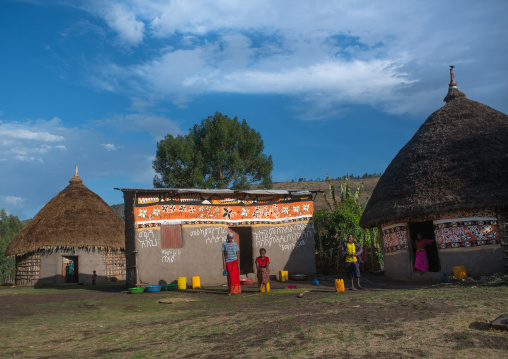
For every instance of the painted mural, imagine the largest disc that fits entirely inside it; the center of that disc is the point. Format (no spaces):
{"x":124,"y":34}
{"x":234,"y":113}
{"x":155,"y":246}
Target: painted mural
{"x":466,"y":234}
{"x":395,"y":238}
{"x":153,"y":215}
{"x":452,"y":229}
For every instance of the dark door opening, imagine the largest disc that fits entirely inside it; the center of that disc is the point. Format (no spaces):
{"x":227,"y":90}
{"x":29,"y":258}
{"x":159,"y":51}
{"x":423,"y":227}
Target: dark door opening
{"x":70,"y":269}
{"x":243,"y":237}
{"x":427,"y":231}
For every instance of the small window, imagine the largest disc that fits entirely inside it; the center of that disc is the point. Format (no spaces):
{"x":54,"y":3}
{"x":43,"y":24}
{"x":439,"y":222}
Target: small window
{"x":171,"y":236}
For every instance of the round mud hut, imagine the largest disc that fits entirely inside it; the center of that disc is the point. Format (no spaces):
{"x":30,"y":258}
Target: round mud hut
{"x":73,"y":235}
{"x":449,"y":183}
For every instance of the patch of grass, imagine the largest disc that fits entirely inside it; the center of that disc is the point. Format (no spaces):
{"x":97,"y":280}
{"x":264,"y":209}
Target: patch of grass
{"x":459,"y":347}
{"x":275,"y":324}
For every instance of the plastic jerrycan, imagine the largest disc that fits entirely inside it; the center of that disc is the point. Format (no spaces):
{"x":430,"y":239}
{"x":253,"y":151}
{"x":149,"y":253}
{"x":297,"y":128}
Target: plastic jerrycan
{"x":339,"y":285}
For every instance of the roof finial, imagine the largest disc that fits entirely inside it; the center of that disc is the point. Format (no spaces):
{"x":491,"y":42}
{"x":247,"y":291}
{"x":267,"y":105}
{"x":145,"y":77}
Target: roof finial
{"x":453,"y":91}
{"x":76,"y":178}
{"x":453,"y":84}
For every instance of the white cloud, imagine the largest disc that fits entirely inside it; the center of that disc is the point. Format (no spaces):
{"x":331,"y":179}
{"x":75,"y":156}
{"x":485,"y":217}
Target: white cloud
{"x":13,"y":200}
{"x":157,"y":126}
{"x":31,"y":140}
{"x":13,"y":131}
{"x":362,"y":52}
{"x":110,"y":147}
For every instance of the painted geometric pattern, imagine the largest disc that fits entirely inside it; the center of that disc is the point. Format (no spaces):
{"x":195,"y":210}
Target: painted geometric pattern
{"x":227,"y":214}
{"x":466,"y":234}
{"x":467,"y":213}
{"x":457,"y":214}
{"x":395,"y":239}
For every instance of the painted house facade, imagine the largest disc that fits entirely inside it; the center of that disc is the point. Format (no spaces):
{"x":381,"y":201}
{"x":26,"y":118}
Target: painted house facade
{"x":172,"y":233}
{"x":449,"y":183}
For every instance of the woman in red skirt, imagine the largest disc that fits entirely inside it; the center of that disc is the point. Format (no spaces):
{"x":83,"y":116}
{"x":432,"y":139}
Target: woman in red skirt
{"x":231,"y":263}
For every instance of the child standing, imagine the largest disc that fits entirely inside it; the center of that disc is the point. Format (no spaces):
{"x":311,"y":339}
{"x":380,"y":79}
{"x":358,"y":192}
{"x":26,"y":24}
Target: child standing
{"x":352,"y":251}
{"x":94,"y":277}
{"x":262,"y":267}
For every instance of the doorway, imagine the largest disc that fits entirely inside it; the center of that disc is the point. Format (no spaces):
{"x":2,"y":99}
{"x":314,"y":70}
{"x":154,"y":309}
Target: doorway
{"x":70,"y":269}
{"x":427,"y":231}
{"x":243,"y":237}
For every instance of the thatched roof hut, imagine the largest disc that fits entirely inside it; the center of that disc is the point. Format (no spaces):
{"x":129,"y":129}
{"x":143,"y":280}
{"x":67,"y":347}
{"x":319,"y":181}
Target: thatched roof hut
{"x":448,"y":183}
{"x":76,"y":217}
{"x":458,"y":159}
{"x":75,"y":221}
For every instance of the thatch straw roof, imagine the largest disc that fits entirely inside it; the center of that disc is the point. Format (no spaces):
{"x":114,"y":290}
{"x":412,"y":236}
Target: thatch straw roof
{"x":75,"y":218}
{"x":458,"y":159}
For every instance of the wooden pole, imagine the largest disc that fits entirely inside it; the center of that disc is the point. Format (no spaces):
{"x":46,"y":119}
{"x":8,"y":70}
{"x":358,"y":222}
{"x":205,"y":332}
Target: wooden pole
{"x":372,"y":248}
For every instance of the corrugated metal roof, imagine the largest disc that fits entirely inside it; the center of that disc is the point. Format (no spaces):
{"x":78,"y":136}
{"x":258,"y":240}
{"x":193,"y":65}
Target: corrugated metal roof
{"x":294,"y":192}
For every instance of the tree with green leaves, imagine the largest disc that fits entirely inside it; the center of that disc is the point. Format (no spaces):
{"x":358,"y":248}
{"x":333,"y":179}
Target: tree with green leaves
{"x":9,"y":226}
{"x":217,"y":153}
{"x":342,"y":217}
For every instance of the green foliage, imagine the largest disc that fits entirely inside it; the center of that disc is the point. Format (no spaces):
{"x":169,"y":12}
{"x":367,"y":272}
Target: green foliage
{"x":218,"y":153}
{"x":9,"y":226}
{"x":343,"y":216}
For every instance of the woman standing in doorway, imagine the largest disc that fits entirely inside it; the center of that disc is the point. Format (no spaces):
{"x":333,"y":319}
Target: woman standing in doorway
{"x":231,"y":263}
{"x":421,"y":261}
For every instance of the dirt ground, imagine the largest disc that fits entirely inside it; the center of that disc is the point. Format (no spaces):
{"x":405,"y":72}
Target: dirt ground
{"x":385,"y":320}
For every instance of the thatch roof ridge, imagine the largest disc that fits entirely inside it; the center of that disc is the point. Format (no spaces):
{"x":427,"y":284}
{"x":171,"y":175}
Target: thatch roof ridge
{"x":458,"y":159}
{"x":76,"y":217}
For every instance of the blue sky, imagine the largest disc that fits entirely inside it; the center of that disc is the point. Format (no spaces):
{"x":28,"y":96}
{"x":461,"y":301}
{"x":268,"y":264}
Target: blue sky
{"x":333,"y":87}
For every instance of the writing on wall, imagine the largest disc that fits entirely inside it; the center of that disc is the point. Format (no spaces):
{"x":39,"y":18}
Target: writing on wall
{"x":170,"y":255}
{"x":147,"y":239}
{"x":210,"y":234}
{"x":287,"y":237}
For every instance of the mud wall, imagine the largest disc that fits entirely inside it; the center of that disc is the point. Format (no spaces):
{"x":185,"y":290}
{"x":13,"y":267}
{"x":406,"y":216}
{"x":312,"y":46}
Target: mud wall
{"x":478,"y":261}
{"x":289,"y":246}
{"x":467,"y":238}
{"x":398,"y":265}
{"x":51,"y":267}
{"x":200,"y":255}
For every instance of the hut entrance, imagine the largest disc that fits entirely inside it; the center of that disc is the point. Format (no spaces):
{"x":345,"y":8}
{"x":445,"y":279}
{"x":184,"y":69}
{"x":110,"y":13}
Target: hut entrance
{"x":427,"y":231}
{"x":243,"y":237}
{"x":70,"y":269}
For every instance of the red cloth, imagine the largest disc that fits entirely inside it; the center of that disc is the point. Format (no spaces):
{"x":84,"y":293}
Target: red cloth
{"x":262,"y":262}
{"x":233,"y":277}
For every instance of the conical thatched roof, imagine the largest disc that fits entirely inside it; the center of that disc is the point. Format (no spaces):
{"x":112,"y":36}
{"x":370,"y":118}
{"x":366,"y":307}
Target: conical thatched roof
{"x":458,"y":159}
{"x":76,"y":217}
